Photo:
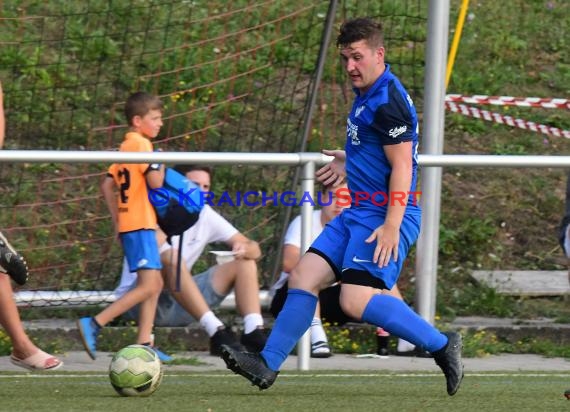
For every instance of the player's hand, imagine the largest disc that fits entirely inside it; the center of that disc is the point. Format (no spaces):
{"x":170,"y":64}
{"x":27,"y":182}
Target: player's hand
{"x":387,"y":240}
{"x":333,"y":174}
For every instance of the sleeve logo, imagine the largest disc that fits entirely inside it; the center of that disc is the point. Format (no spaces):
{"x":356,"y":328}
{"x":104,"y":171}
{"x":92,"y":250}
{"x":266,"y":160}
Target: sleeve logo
{"x":397,"y":131}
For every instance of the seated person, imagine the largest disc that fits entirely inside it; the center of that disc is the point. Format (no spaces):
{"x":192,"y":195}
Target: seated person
{"x":564,"y":232}
{"x":328,"y":307}
{"x":199,"y":294}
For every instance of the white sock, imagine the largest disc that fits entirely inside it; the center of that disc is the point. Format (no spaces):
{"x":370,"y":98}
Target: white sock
{"x":405,"y":346}
{"x":317,"y":331}
{"x":251,"y":322}
{"x":210,"y":323}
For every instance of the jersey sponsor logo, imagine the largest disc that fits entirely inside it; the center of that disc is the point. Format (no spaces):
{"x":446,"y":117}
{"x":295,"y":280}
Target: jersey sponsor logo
{"x":352,"y":133}
{"x":397,"y":131}
{"x":358,"y":111}
{"x":357,"y":260}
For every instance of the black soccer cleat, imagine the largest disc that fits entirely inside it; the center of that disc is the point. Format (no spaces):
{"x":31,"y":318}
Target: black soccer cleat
{"x":449,"y":360}
{"x":251,"y":366}
{"x":224,"y":336}
{"x":12,"y":263}
{"x":255,"y":340}
{"x":415,"y":353}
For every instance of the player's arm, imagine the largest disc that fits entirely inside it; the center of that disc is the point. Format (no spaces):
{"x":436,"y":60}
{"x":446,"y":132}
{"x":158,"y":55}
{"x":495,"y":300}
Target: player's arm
{"x":155,"y":175}
{"x":400,"y":158}
{"x":108,"y":190}
{"x":291,"y":256}
{"x":243,"y":247}
{"x":154,"y":172}
{"x":388,"y":235}
{"x":2,"y":119}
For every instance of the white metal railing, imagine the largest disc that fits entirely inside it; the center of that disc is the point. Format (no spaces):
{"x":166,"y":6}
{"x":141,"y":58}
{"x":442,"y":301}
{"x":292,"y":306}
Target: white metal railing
{"x":283,"y":159}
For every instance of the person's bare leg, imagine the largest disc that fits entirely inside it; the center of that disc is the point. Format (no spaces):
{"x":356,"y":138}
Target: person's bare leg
{"x":241,"y":275}
{"x":23,"y":347}
{"x":147,"y":286}
{"x":147,"y":313}
{"x":189,"y":295}
{"x":393,"y":292}
{"x":191,"y":299}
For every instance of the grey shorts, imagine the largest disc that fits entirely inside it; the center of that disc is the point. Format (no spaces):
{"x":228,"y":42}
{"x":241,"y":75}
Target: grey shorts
{"x":170,"y":313}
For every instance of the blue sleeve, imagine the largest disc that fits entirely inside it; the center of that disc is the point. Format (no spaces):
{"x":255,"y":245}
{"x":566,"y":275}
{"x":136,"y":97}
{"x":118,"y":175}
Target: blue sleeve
{"x":395,"y":121}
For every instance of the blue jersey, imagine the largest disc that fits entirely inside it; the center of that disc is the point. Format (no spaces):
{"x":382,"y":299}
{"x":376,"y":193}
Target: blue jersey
{"x":384,"y":115}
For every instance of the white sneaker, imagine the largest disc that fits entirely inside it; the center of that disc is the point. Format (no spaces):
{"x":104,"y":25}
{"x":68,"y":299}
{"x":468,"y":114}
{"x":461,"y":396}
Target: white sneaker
{"x":405,"y":346}
{"x":320,"y":349}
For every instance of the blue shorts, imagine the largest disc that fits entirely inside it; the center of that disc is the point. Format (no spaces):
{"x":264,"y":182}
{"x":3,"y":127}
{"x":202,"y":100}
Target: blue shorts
{"x":141,"y":249}
{"x":170,"y":313}
{"x":342,"y":244}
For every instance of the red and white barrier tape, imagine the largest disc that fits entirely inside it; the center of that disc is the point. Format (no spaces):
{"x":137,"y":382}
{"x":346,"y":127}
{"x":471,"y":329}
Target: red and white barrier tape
{"x":545,"y":103}
{"x":508,"y":120}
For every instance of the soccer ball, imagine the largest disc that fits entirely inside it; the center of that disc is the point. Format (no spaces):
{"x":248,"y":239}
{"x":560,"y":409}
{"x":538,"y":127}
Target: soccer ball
{"x":135,"y":370}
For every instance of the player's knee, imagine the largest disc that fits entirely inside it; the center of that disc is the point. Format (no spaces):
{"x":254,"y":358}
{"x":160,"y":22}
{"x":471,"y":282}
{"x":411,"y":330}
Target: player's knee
{"x":228,"y":272}
{"x":150,"y":289}
{"x":350,"y":307}
{"x":155,"y":286}
{"x":248,"y":267}
{"x":160,"y":283}
{"x":297,"y":280}
{"x":167,"y":272}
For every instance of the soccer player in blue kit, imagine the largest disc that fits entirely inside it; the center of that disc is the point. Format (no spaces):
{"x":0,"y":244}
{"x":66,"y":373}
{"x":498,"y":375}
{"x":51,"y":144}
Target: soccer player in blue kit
{"x":365,"y":246}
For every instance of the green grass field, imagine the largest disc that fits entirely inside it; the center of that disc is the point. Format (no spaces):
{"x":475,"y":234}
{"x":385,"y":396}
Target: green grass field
{"x":323,"y":391}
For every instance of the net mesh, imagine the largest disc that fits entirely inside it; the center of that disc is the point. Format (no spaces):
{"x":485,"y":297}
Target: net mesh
{"x":235,"y":77}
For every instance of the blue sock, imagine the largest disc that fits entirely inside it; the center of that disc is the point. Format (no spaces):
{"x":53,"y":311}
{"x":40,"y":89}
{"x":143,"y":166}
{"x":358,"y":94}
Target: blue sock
{"x":291,"y":323}
{"x":399,"y":319}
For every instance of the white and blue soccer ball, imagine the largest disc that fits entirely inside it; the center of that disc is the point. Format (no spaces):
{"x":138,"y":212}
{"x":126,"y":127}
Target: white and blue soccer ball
{"x":135,"y":370}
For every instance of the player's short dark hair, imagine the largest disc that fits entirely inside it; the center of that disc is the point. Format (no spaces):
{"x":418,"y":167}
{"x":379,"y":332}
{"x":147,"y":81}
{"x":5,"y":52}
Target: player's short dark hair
{"x":183,"y":169}
{"x":139,"y":104}
{"x":361,"y":28}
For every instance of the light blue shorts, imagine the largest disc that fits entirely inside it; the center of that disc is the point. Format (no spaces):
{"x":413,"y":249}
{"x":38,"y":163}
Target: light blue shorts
{"x":141,"y":249}
{"x":170,"y":313}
